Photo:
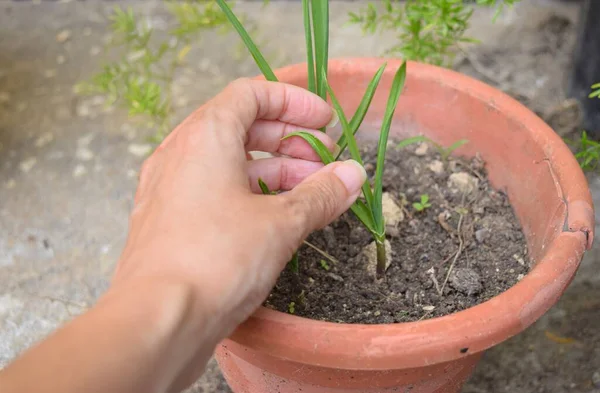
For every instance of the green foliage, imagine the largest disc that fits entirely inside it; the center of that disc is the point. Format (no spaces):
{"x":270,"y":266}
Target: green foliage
{"x":325,"y":265}
{"x":261,"y":62}
{"x":422,"y":204}
{"x":588,"y":152}
{"x":427,"y":30}
{"x":140,"y":79}
{"x":595,"y":91}
{"x":445,"y":152}
{"x":292,"y":308}
{"x":316,"y":25}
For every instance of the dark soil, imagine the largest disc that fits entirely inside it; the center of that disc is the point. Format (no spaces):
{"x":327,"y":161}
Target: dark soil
{"x":477,"y":224}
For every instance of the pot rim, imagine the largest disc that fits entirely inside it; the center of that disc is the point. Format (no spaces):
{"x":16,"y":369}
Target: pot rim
{"x":454,"y":336}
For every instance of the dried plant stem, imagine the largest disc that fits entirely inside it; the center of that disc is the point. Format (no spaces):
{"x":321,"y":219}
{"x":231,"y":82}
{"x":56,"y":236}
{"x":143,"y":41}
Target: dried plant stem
{"x":460,"y":248}
{"x":323,"y":253}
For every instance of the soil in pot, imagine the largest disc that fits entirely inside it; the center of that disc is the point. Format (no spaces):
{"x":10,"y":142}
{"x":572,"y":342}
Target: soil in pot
{"x":463,"y":249}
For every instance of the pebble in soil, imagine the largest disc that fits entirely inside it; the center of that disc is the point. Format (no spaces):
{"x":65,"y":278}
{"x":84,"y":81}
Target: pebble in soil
{"x":425,"y":278}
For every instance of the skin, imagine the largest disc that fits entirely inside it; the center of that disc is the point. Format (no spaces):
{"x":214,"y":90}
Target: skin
{"x":204,"y":247}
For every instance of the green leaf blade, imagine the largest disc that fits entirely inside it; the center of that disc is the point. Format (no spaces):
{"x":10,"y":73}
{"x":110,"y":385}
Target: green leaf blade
{"x":316,"y":144}
{"x":395,"y":91}
{"x":263,"y":187}
{"x":352,"y":145}
{"x":320,"y":19}
{"x":364,"y":215}
{"x":309,"y":46}
{"x":260,"y":60}
{"x":412,"y":140}
{"x":362,"y":109}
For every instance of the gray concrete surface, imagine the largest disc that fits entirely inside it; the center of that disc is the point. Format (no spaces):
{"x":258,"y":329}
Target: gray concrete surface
{"x":68,"y":167}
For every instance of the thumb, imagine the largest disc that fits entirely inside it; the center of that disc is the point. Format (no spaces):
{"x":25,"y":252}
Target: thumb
{"x":325,"y":195}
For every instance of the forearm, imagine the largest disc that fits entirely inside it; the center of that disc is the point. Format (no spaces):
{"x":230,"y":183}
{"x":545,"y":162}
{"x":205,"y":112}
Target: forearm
{"x":136,"y":339}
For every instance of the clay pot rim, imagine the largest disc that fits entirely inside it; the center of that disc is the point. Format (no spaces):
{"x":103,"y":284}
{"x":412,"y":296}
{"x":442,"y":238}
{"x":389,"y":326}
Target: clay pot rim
{"x":442,"y":339}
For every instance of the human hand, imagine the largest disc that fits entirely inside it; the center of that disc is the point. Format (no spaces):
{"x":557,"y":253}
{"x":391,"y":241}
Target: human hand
{"x":199,"y":220}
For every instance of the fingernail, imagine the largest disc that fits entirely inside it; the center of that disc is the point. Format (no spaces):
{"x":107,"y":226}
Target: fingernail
{"x":352,"y":174}
{"x":334,"y":120}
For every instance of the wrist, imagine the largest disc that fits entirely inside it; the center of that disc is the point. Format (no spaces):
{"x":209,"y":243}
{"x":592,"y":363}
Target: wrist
{"x":173,"y":330}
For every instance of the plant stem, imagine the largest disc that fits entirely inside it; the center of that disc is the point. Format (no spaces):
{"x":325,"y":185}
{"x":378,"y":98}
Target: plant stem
{"x":381,"y":258}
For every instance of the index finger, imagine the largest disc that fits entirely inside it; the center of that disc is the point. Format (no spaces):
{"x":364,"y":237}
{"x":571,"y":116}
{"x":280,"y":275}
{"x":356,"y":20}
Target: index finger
{"x":251,"y":100}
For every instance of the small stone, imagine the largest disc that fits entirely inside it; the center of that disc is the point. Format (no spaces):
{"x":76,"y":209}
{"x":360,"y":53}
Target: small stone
{"x":51,"y":73}
{"x":63,"y":113}
{"x":520,"y":277}
{"x":422,"y":149}
{"x":511,"y":271}
{"x":463,"y":182}
{"x":204,"y":64}
{"x":44,"y":139}
{"x":358,"y":233}
{"x":79,"y":171}
{"x":370,"y":253}
{"x":181,"y":102}
{"x":465,"y":280}
{"x":377,"y":313}
{"x":392,"y":213}
{"x":83,"y":110}
{"x":482,"y":235}
{"x":596,"y":379}
{"x":95,"y":50}
{"x":520,"y":260}
{"x":10,"y":184}
{"x":428,"y":308}
{"x":28,"y":164}
{"x":85,"y":140}
{"x":63,"y":36}
{"x":4,"y":97}
{"x":84,"y":154}
{"x":478,"y":210}
{"x":436,"y":167}
{"x":60,"y":59}
{"x":131,"y":173}
{"x":329,"y":235}
{"x":21,"y":106}
{"x":335,"y":277}
{"x":139,"y":150}
{"x":392,"y":231}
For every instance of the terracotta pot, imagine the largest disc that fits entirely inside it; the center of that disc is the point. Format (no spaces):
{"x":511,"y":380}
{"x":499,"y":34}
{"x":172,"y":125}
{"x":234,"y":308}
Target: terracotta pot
{"x":277,"y":352}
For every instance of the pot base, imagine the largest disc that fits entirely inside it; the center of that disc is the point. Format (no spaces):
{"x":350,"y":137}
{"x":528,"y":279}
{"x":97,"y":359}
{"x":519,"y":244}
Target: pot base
{"x":290,"y":377}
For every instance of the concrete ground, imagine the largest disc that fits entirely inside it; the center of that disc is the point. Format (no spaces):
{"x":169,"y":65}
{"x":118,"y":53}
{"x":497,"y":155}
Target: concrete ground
{"x":68,"y":166}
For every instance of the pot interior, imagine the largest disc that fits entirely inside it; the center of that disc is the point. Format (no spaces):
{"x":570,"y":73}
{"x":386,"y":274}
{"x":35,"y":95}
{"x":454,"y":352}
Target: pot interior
{"x":518,"y":151}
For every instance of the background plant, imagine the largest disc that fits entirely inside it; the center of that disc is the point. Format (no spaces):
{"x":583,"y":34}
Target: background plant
{"x":427,"y":30}
{"x":144,"y":62}
{"x":369,"y":209}
{"x":445,"y":152}
{"x":587,"y":151}
{"x":422,"y":204}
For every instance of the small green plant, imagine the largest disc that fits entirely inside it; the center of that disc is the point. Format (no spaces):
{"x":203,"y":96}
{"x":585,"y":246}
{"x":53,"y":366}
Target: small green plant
{"x":595,"y":91}
{"x":140,"y":80}
{"x":325,"y":265}
{"x":422,"y":204}
{"x":428,"y":30}
{"x":587,"y":150}
{"x":588,"y":153}
{"x":445,"y":152}
{"x":292,"y":308}
{"x":368,"y":209}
